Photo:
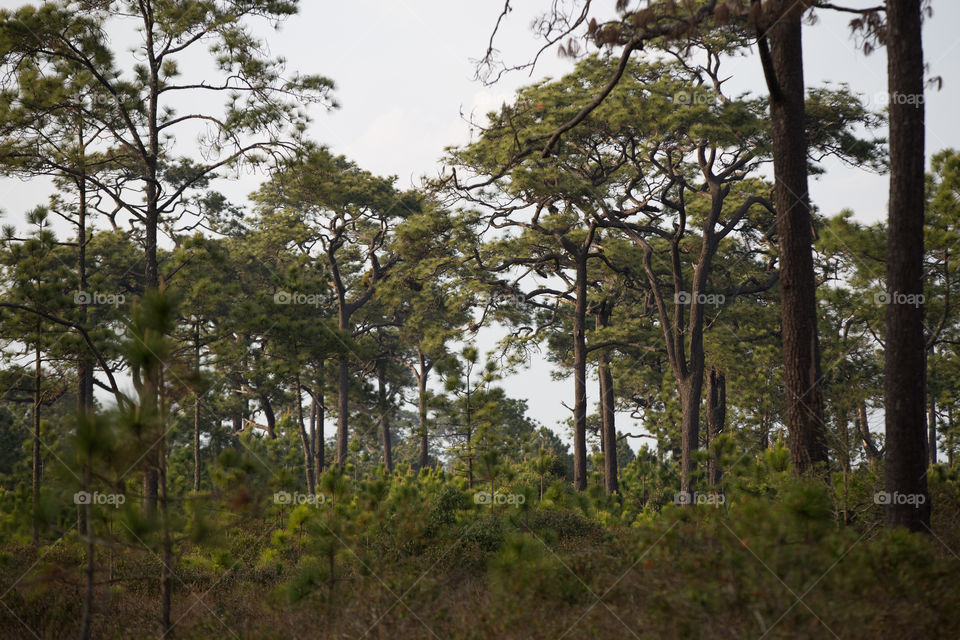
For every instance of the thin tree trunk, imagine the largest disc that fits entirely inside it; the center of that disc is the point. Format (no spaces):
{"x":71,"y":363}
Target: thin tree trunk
{"x":36,"y":442}
{"x":469,"y":421}
{"x":305,"y":441}
{"x":270,"y":416}
{"x":783,"y":68}
{"x":321,"y":445}
{"x":932,"y":430}
{"x":863,"y":428}
{"x":166,"y":569}
{"x":84,"y":364}
{"x":422,"y":414}
{"x":905,"y":363}
{"x":196,"y":412}
{"x":85,"y":409}
{"x":384,"y":414}
{"x":343,"y":408}
{"x":608,"y":426}
{"x":580,"y":374}
{"x":716,"y":420}
{"x":152,"y":221}
{"x":313,"y":436}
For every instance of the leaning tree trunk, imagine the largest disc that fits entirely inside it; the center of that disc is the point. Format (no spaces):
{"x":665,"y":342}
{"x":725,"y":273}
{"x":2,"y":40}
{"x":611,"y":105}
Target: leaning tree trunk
{"x":905,"y":349}
{"x":783,"y":68}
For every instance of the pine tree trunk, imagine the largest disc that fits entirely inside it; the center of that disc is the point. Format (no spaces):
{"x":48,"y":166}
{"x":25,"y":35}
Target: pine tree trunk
{"x":304,"y":440}
{"x":196,"y":413}
{"x":801,"y":349}
{"x":580,"y":375}
{"x":608,"y":426}
{"x":343,"y":409}
{"x":320,"y":445}
{"x":716,"y":419}
{"x":36,"y":442}
{"x":932,"y":431}
{"x":422,"y":413}
{"x":905,"y":362}
{"x":270,"y":416}
{"x":384,"y":414}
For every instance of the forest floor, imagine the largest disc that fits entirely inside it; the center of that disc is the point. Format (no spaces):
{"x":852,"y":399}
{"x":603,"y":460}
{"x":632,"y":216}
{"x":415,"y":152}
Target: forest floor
{"x":757,"y":567}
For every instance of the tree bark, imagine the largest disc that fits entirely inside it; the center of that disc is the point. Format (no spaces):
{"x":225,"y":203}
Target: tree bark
{"x":863,"y":428}
{"x":905,"y":348}
{"x":422,"y":410}
{"x":270,"y":417}
{"x":580,"y":374}
{"x":783,"y":68}
{"x":320,"y":447}
{"x":196,"y":412}
{"x":152,"y":221}
{"x":384,"y":414}
{"x":608,"y":426}
{"x":716,"y":419}
{"x":343,"y":409}
{"x":932,"y":431}
{"x":304,"y":440}
{"x":36,"y":441}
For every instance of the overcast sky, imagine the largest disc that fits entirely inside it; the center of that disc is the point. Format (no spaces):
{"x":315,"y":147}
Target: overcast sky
{"x":404,"y":75}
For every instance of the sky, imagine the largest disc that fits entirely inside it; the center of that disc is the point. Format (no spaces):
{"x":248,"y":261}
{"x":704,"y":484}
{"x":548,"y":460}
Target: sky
{"x":404,"y":75}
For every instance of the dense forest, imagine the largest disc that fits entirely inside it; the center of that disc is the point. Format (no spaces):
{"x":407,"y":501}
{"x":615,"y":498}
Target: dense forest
{"x":281,"y":415}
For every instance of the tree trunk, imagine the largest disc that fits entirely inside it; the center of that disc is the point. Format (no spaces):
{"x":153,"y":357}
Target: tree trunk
{"x":84,"y":363}
{"x":384,"y":414}
{"x":270,"y":417}
{"x":166,"y":541}
{"x":716,"y":420}
{"x":343,"y":408}
{"x":608,"y":426}
{"x":691,"y":391}
{"x":196,"y":412}
{"x":320,"y":447}
{"x":304,"y":441}
{"x":801,"y":350}
{"x":36,"y":442}
{"x":863,"y":428}
{"x":905,"y":362}
{"x":932,"y":431}
{"x":422,"y":413}
{"x":580,"y":375}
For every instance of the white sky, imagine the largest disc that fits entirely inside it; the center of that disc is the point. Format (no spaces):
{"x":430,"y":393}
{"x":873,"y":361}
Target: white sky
{"x":404,"y":73}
